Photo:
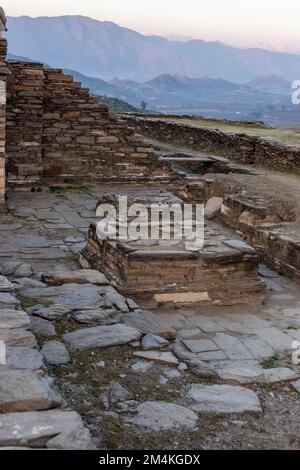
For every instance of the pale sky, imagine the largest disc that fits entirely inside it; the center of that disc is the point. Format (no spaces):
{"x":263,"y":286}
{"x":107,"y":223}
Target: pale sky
{"x":266,"y":23}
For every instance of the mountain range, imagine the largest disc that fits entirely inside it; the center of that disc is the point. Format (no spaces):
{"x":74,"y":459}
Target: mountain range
{"x":105,"y":49}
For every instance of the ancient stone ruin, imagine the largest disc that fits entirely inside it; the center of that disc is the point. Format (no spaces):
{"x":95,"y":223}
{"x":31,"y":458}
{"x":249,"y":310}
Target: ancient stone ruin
{"x":146,"y":342}
{"x":174,"y":272}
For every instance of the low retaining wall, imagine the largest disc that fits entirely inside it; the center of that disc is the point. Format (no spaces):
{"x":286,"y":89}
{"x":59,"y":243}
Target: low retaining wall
{"x":240,"y":148}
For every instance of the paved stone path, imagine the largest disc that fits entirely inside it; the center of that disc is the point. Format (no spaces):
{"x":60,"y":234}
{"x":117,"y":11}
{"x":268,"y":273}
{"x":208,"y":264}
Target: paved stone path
{"x":130,"y":374}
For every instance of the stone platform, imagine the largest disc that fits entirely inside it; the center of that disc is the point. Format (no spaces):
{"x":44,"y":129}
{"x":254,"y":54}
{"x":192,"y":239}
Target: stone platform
{"x":159,"y":272}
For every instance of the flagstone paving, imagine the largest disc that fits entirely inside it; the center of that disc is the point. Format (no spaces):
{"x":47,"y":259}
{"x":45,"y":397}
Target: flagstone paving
{"x":214,"y":377}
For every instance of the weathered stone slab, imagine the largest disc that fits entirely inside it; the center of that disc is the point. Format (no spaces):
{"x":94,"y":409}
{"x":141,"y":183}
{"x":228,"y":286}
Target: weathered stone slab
{"x":193,"y":361}
{"x":12,"y":319}
{"x":241,"y":372}
{"x":94,"y":277}
{"x":149,"y":323}
{"x":153,"y":342}
{"x":114,"y":299}
{"x":250,"y":321}
{"x":73,"y":295}
{"x":42,"y":327}
{"x":22,"y":358}
{"x":101,"y":336}
{"x":24,"y":282}
{"x":97,"y":316}
{"x":223,"y":399}
{"x":22,"y":390}
{"x":54,"y":312}
{"x":163,"y":416}
{"x":275,"y":338}
{"x":158,"y":356}
{"x":53,"y":429}
{"x":8,"y":300}
{"x":232,"y":346}
{"x":206,"y":324}
{"x":16,"y":269}
{"x":259,"y":349}
{"x":280,"y":374}
{"x":55,"y":353}
{"x":17,"y":337}
{"x":200,"y":345}
{"x":212,"y":356}
{"x":5,"y":284}
{"x":81,"y":276}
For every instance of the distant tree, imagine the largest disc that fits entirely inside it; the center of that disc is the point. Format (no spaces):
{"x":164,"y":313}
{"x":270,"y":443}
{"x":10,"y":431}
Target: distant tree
{"x":143,"y":106}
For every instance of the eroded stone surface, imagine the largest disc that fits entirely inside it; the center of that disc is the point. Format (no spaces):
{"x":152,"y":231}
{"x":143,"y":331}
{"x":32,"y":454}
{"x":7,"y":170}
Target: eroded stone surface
{"x":5,"y":284}
{"x":12,"y":319}
{"x":38,"y":429}
{"x":22,"y":358}
{"x":22,"y":390}
{"x":223,"y":399}
{"x":158,"y":356}
{"x":153,"y":342}
{"x":97,"y":316}
{"x":149,"y":323}
{"x":42,"y":327}
{"x":80,"y":276}
{"x":55,"y":353}
{"x":163,"y":416}
{"x":101,"y":336}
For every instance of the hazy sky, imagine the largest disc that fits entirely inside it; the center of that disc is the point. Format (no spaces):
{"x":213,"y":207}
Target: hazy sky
{"x":239,"y":22}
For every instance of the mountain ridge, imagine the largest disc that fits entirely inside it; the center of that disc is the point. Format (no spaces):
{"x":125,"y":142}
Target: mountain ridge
{"x":105,"y":49}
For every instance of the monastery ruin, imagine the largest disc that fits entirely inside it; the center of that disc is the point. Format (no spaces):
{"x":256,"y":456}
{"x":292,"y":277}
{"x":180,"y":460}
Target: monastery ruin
{"x":141,"y":343}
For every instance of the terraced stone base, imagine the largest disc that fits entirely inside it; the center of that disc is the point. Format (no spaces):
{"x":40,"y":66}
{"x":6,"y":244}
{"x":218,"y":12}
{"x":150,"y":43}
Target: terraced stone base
{"x":156,"y":272}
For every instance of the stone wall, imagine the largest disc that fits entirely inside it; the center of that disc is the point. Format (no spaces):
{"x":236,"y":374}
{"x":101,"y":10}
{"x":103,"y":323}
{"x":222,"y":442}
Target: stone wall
{"x":240,"y":148}
{"x":56,"y":129}
{"x":3,"y":74}
{"x":24,"y":121}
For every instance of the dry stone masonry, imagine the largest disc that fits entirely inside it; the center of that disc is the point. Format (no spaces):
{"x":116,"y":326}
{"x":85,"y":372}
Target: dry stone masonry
{"x":167,"y":271}
{"x":57,"y":131}
{"x":3,"y":75}
{"x":240,"y":148}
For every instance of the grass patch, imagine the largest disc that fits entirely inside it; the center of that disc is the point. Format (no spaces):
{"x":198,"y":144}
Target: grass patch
{"x":61,"y":190}
{"x":27,"y":302}
{"x":270,"y":362}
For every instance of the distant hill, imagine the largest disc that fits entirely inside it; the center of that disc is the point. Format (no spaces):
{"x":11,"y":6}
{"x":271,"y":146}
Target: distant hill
{"x":105,"y":49}
{"x":264,"y":98}
{"x":271,"y":83}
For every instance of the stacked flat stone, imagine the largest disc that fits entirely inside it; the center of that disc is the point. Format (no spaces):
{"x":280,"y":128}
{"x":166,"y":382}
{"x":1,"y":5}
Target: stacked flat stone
{"x":55,"y":128}
{"x":237,"y":147}
{"x":3,"y":74}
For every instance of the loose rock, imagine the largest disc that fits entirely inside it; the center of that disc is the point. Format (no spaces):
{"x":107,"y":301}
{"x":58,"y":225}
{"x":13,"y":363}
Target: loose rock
{"x":55,"y":353}
{"x":153,"y":342}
